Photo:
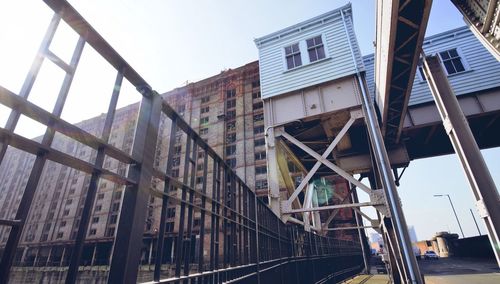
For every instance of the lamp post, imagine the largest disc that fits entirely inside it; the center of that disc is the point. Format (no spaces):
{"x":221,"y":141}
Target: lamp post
{"x":474,"y":218}
{"x":454,"y":212}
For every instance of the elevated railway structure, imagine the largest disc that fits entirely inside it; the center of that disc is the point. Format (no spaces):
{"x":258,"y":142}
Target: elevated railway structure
{"x":483,"y":17}
{"x":342,"y":123}
{"x":398,"y":52}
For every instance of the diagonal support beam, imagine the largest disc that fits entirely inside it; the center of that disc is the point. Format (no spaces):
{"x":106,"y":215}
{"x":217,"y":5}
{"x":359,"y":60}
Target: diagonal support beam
{"x":408,"y":22}
{"x":283,"y":155}
{"x":364,"y":215}
{"x":310,"y":174}
{"x":322,"y":160}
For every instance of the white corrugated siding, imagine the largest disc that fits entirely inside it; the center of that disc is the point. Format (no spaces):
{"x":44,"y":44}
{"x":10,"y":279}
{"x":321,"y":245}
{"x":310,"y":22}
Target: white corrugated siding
{"x":483,"y":73}
{"x":275,"y":80}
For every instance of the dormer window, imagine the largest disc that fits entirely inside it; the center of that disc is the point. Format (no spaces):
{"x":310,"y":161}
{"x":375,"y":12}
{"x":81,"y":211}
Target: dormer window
{"x":292,"y":55}
{"x":315,"y":48}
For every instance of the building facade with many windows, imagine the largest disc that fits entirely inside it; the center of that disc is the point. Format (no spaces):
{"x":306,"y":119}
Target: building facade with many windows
{"x":226,"y":110}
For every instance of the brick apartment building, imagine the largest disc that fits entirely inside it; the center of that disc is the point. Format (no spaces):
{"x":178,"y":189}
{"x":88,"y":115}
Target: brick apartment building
{"x":225,"y":109}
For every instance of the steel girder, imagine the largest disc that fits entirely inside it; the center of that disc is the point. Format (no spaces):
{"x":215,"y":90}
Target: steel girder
{"x":455,"y":124}
{"x":401,"y":26}
{"x":483,"y":18}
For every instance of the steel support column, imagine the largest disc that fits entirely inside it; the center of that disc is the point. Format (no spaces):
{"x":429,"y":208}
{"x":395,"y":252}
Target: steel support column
{"x":398,"y":222}
{"x":126,"y":251}
{"x":93,"y":186}
{"x":164,"y":205}
{"x":461,"y":137}
{"x":361,"y":230}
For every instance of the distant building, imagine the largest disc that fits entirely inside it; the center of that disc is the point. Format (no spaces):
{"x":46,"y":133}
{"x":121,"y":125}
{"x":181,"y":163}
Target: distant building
{"x":55,"y":213}
{"x":412,"y":233}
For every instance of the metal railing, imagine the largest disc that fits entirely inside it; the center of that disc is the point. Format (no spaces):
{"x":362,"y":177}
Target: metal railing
{"x":237,"y":238}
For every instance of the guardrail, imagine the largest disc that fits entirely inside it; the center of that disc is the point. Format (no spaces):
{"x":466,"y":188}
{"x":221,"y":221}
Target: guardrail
{"x":238,"y":238}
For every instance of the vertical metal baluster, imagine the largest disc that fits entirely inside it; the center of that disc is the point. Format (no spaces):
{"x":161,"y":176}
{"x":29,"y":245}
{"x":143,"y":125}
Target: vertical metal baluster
{"x":203,"y":212}
{"x":257,"y":245}
{"x":213,"y":226}
{"x":126,"y":253}
{"x":234,"y":248}
{"x":225,"y":215}
{"x":92,"y":190}
{"x":246,"y":247}
{"x":164,"y":205}
{"x":240,"y":223}
{"x":180,"y":234}
{"x":192,"y":185}
{"x":220,"y":174}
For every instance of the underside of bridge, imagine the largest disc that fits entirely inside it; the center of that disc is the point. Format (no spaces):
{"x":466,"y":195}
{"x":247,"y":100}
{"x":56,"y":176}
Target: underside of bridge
{"x":429,"y":139}
{"x":443,"y":127}
{"x":483,"y":17}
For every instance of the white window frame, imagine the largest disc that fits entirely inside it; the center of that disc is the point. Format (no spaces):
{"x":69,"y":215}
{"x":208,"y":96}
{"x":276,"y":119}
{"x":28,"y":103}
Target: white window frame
{"x":324,"y":48}
{"x":462,"y":59}
{"x":304,"y":54}
{"x":301,"y":53}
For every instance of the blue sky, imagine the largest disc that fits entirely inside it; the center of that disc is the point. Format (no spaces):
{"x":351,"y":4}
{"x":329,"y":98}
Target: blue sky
{"x":172,"y":42}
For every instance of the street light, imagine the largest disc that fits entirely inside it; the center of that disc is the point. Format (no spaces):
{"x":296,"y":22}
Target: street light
{"x":474,"y":218}
{"x":452,"y":207}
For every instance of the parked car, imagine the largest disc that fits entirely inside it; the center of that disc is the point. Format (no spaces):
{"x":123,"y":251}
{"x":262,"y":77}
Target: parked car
{"x":430,"y":255}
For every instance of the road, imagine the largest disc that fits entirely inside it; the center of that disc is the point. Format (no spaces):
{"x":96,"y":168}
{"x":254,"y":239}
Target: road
{"x":460,"y":271}
{"x":446,"y":271}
